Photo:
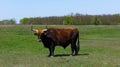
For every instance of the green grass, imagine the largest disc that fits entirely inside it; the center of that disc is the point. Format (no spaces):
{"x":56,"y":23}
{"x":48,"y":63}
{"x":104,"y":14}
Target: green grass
{"x":100,"y":47}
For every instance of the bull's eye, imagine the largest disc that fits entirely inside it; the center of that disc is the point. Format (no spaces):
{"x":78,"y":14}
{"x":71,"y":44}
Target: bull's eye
{"x":35,"y":33}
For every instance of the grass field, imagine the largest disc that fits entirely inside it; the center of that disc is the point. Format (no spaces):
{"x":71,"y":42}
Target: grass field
{"x":100,"y":47}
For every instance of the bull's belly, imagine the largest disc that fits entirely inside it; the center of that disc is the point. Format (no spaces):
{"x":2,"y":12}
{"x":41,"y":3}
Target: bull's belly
{"x":63,"y":44}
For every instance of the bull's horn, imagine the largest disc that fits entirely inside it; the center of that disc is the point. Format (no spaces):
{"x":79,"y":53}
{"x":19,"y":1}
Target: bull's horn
{"x":32,"y":28}
{"x":46,"y":25}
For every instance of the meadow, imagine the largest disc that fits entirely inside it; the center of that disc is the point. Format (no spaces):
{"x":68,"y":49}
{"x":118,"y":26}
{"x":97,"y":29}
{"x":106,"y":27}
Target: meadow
{"x":100,"y":47}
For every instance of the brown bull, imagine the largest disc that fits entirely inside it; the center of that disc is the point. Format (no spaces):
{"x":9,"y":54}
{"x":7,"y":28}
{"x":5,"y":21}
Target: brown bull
{"x":52,"y":37}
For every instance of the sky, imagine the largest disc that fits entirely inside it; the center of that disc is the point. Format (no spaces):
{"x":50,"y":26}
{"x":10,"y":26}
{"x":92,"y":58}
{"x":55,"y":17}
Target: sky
{"x":18,"y":9}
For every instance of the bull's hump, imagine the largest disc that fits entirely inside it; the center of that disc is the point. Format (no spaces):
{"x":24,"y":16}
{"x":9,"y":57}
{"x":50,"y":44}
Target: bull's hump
{"x":71,"y":28}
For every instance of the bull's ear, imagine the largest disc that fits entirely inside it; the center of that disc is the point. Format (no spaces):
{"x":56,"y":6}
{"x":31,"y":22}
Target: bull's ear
{"x":35,"y":32}
{"x":44,"y":31}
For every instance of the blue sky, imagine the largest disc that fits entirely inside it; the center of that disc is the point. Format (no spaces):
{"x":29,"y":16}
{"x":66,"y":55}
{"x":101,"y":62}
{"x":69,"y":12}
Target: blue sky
{"x":18,"y":9}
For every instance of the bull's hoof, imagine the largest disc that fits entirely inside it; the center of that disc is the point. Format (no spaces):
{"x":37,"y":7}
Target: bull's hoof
{"x":71,"y":55}
{"x":51,"y":56}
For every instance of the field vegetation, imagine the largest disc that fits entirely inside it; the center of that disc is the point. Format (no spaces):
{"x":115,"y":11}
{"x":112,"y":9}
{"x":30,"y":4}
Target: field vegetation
{"x":100,"y":47}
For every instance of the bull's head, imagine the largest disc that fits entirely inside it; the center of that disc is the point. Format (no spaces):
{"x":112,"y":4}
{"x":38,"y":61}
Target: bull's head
{"x":38,"y":32}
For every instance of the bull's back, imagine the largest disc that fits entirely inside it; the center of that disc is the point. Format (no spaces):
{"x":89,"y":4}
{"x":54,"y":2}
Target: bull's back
{"x":64,"y":34}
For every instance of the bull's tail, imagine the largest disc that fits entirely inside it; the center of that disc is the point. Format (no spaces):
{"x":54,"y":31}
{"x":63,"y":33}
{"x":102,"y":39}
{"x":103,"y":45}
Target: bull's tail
{"x":78,"y":42}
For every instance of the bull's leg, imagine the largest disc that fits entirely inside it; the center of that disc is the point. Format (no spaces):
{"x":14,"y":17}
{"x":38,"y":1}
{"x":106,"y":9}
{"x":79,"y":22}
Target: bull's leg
{"x":51,"y":49}
{"x":72,"y":49}
{"x":75,"y":48}
{"x":76,"y":51}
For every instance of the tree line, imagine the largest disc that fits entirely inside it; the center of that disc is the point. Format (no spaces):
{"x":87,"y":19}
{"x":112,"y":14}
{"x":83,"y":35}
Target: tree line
{"x":8,"y":22}
{"x":72,"y":19}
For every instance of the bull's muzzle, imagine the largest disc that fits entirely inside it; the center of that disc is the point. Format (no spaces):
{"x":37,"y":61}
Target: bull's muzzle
{"x":39,"y":40}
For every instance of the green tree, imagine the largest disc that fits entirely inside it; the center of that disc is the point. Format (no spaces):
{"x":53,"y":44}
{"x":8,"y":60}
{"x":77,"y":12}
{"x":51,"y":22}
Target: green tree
{"x":8,"y":22}
{"x":12,"y":21}
{"x":24,"y":21}
{"x":96,"y":21}
{"x":69,"y":20}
